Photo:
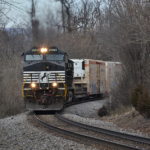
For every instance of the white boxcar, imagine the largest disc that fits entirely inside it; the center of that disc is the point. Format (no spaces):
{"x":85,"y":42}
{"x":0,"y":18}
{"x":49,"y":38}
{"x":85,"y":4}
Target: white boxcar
{"x":89,"y":77}
{"x":94,"y":77}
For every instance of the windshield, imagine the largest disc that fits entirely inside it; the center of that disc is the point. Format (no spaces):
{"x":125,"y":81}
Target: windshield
{"x":33,"y":57}
{"x":55,"y":57}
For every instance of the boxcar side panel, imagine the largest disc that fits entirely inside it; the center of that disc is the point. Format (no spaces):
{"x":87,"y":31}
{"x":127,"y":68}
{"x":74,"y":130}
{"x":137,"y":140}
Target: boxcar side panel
{"x":97,"y":77}
{"x":113,"y":70}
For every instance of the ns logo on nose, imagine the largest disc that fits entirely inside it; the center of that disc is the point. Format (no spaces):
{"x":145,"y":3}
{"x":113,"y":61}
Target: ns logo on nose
{"x":44,"y":76}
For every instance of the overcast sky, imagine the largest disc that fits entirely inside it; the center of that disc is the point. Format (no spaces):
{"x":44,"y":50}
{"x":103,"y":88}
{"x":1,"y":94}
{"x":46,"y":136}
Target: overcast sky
{"x":18,"y":13}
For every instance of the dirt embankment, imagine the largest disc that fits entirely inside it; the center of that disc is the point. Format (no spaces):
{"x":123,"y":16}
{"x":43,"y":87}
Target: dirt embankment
{"x":131,"y":120}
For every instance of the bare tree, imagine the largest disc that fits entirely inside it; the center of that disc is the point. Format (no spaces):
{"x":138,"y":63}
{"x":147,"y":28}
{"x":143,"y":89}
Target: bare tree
{"x":34,"y":23}
{"x":66,"y":14}
{"x":128,"y":34}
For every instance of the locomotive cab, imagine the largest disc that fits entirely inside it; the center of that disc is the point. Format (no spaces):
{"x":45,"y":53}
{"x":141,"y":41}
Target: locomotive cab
{"x":47,"y":78}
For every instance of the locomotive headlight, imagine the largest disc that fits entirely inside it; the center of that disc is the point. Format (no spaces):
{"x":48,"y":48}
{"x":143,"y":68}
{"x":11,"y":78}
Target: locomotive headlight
{"x":44,"y":50}
{"x":33,"y":85}
{"x":54,"y":84}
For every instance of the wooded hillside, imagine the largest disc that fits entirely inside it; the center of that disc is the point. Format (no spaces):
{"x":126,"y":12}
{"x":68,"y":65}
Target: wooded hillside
{"x":112,"y":30}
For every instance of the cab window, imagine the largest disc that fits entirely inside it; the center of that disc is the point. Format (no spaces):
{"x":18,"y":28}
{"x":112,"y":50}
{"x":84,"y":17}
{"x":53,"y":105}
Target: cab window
{"x":55,"y":57}
{"x":33,"y":57}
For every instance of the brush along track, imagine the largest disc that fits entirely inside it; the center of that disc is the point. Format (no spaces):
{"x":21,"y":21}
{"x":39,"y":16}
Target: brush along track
{"x":62,"y":128}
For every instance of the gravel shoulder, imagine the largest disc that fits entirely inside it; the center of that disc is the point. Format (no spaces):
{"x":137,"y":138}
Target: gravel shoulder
{"x":130,"y":122}
{"x":87,"y":113}
{"x":16,"y":133}
{"x":89,"y":109}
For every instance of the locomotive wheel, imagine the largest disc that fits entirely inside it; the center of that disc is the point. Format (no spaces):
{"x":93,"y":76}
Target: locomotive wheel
{"x":70,"y":96}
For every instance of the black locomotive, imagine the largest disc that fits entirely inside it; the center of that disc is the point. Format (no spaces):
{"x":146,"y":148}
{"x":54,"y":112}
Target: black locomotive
{"x":47,"y":78}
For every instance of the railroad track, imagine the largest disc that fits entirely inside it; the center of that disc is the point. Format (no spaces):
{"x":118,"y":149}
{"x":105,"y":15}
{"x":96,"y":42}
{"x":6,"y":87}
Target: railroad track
{"x":75,"y":102}
{"x":102,"y":141}
{"x":134,"y":138}
{"x":83,"y":100}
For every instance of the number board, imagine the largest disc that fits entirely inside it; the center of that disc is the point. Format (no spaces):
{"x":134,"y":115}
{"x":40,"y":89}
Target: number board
{"x":49,"y":50}
{"x":34,"y":50}
{"x":52,"y":50}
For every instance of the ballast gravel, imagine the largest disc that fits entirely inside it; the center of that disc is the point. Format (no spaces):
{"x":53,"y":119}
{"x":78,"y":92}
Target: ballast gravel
{"x":16,"y":133}
{"x":88,"y":109}
{"x":87,"y":113}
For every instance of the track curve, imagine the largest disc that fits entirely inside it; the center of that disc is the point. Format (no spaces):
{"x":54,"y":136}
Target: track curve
{"x":134,"y":138}
{"x":84,"y":136}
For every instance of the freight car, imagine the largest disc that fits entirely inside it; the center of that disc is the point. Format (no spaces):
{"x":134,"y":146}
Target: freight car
{"x":94,"y":77}
{"x":47,"y":78}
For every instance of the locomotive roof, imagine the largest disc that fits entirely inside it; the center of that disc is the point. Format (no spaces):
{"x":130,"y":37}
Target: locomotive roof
{"x":36,"y":50}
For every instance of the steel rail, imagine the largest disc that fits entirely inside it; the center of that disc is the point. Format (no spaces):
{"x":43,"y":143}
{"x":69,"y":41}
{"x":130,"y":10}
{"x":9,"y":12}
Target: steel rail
{"x":134,"y":138}
{"x":91,"y":138}
{"x":82,"y":100}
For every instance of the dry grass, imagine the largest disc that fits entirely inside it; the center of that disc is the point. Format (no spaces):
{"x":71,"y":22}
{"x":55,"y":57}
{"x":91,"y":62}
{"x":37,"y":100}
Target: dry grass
{"x":121,"y":110}
{"x":129,"y":119}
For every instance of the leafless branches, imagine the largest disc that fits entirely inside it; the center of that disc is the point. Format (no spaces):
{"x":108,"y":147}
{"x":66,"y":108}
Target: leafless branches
{"x":115,"y":30}
{"x":128,"y":24}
